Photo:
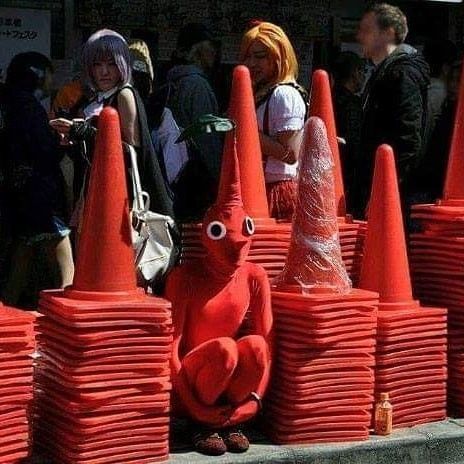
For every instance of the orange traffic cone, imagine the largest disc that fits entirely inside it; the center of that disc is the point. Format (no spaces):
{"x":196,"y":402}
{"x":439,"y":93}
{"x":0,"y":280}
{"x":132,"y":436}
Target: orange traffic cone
{"x":103,"y":319}
{"x":242,"y":110}
{"x":314,"y":258}
{"x":105,"y":259}
{"x":385,"y":267}
{"x":322,"y":107}
{"x":453,"y":192}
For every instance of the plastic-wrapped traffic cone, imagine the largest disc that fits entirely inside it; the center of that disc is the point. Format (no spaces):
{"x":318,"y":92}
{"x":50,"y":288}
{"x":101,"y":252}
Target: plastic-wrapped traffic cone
{"x":105,"y":259}
{"x":321,"y":106}
{"x":453,"y":192}
{"x":314,"y":257}
{"x":324,"y":331}
{"x":242,"y":111}
{"x":385,"y":267}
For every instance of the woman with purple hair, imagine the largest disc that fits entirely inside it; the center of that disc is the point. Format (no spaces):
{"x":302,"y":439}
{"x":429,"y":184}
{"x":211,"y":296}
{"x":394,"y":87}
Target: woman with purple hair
{"x":106,"y":62}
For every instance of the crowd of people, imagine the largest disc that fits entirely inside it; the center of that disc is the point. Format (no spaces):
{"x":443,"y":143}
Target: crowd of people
{"x":408,"y":101}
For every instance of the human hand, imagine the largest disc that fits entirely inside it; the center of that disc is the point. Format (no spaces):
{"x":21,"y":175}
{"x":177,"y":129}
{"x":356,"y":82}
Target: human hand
{"x":61,"y":125}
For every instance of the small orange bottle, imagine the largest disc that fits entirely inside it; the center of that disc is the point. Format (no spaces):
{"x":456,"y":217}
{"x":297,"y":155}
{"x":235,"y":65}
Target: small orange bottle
{"x":383,"y":416}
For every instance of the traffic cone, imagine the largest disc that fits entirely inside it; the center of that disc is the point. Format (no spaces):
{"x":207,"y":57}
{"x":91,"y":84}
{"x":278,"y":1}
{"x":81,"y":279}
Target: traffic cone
{"x":242,"y":111}
{"x":410,"y":341}
{"x":453,"y":192}
{"x":17,"y":347}
{"x":321,"y":105}
{"x":385,"y":267}
{"x":106,"y":345}
{"x":314,"y":257}
{"x":105,"y":258}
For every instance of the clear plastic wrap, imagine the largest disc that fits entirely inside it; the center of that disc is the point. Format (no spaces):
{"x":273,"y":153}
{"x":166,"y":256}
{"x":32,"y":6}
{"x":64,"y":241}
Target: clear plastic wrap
{"x":314,"y":259}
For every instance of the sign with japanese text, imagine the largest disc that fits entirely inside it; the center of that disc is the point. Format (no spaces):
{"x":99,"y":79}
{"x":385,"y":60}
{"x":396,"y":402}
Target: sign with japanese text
{"x":22,"y":30}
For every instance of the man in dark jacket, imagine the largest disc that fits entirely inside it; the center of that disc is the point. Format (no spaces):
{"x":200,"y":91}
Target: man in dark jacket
{"x":394,"y":99}
{"x":348,"y":79}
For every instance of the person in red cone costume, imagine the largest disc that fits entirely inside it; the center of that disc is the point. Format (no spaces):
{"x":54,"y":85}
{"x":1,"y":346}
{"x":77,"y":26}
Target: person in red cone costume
{"x":222,"y":321}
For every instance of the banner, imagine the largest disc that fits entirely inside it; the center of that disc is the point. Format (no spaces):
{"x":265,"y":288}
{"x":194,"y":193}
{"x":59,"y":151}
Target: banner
{"x":22,"y":30}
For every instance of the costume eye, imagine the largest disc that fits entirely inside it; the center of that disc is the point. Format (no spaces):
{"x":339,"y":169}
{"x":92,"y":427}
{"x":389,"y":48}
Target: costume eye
{"x":216,"y":230}
{"x":248,"y":226}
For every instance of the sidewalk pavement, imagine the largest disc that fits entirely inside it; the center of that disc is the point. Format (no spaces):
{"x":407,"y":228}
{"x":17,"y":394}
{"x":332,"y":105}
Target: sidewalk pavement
{"x":434,"y":443}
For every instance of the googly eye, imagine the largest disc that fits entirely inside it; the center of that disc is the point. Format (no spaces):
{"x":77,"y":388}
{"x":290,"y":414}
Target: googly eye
{"x":216,"y":230}
{"x":249,"y":226}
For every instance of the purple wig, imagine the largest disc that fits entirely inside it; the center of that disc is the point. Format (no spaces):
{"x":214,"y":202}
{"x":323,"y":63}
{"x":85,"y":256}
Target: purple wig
{"x":106,"y":44}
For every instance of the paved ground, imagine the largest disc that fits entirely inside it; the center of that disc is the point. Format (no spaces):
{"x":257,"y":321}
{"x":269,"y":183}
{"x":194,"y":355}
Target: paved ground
{"x":436,"y":443}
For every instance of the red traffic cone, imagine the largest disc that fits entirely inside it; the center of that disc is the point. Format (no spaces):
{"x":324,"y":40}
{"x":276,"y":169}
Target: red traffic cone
{"x":105,"y":259}
{"x":242,"y":111}
{"x":385,"y":267}
{"x":322,"y":107}
{"x":314,"y":258}
{"x":453,"y":192}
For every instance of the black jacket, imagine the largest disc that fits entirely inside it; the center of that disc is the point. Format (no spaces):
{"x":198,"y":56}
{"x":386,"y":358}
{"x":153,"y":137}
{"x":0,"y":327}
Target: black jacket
{"x":395,"y":112}
{"x":33,"y":185}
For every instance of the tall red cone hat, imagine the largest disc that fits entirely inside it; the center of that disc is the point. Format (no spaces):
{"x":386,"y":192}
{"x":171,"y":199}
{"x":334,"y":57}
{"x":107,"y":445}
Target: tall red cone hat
{"x":385,"y":267}
{"x":314,"y":257}
{"x":454,"y":185}
{"x":242,"y":111}
{"x":229,"y":192}
{"x":105,"y":259}
{"x":321,"y":106}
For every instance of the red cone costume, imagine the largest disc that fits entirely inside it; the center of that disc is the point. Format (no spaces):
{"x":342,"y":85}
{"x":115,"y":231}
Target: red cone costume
{"x":222,"y":315}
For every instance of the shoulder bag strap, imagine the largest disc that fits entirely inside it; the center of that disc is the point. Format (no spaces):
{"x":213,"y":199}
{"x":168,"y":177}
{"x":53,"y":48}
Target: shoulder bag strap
{"x":141,"y":198}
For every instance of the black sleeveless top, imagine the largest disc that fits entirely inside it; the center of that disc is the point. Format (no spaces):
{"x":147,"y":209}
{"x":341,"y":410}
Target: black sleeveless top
{"x":151,"y":175}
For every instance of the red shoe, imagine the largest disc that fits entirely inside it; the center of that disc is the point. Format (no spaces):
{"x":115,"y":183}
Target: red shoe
{"x":208,"y":442}
{"x":235,"y":440}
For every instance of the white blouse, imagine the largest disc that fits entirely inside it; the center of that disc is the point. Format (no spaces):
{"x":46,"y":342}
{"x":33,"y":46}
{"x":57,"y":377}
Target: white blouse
{"x":286,"y":113}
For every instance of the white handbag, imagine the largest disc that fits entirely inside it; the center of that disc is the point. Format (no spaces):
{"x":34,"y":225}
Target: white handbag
{"x":151,"y":233}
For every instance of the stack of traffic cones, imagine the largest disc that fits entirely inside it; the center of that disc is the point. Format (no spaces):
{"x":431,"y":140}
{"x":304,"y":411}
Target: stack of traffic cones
{"x":352,"y":232}
{"x":411,"y":339}
{"x":103,"y":378}
{"x":271,"y":239}
{"x":17,"y":345}
{"x":437,"y":253}
{"x":322,"y":385}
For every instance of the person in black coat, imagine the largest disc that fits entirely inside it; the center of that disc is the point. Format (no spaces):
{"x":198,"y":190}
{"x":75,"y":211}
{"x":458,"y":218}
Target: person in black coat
{"x":33,"y":186}
{"x":429,"y":183}
{"x":348,"y":78}
{"x":394,"y":99}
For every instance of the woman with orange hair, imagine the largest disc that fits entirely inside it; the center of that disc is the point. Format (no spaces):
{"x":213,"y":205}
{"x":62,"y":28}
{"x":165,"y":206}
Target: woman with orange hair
{"x":280,"y":108}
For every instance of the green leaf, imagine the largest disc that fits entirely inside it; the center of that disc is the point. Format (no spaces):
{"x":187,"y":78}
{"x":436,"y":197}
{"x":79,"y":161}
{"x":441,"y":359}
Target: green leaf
{"x":206,"y":124}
